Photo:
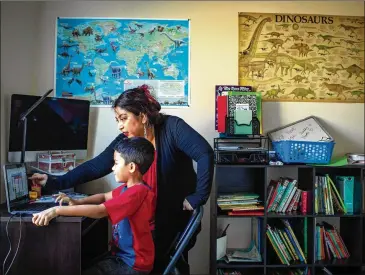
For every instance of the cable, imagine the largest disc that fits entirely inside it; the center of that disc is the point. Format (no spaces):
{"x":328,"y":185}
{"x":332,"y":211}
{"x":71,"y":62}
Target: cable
{"x":17,"y":249}
{"x":7,"y":235}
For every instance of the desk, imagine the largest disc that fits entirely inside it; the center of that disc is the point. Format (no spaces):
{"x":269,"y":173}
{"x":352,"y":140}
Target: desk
{"x":64,"y":247}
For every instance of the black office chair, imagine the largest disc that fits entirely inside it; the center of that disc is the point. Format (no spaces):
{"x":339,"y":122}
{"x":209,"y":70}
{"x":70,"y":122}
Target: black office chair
{"x":183,"y":241}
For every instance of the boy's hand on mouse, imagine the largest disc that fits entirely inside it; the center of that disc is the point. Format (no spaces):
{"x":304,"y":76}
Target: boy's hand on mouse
{"x":44,"y":217}
{"x":187,"y":206}
{"x":63,"y":198}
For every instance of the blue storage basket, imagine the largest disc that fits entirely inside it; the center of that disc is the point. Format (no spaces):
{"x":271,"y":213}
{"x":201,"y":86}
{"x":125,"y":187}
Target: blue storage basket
{"x":291,"y":151}
{"x":312,"y":151}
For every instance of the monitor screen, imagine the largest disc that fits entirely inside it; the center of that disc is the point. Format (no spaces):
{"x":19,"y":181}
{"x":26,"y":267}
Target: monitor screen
{"x":16,"y":181}
{"x":55,"y":124}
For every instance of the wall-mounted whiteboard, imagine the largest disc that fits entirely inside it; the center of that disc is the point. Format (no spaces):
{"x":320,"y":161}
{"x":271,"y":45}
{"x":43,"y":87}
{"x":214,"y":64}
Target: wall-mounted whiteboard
{"x":307,"y":129}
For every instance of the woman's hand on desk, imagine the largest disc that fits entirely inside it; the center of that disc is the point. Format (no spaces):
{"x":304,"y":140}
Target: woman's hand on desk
{"x":40,"y":179}
{"x":44,"y":217}
{"x":63,"y":198}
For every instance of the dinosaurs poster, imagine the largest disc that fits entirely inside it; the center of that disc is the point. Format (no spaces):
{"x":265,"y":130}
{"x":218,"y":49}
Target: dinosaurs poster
{"x":302,"y":57}
{"x":99,"y":58}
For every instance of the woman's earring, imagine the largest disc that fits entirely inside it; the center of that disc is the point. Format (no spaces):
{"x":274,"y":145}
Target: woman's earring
{"x":144,"y":130}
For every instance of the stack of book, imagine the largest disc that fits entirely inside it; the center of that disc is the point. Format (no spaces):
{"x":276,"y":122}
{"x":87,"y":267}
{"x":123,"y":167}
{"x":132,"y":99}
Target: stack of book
{"x":285,"y":244}
{"x":241,"y":204}
{"x":327,"y":199}
{"x":284,"y":196}
{"x":329,"y":244}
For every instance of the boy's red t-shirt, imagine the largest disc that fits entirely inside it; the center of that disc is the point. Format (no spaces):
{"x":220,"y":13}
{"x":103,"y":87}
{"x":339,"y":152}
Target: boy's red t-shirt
{"x":130,"y":211}
{"x":150,"y":177}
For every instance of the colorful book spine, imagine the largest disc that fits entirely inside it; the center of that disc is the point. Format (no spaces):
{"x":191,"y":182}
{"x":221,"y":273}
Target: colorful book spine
{"x":269,"y":206}
{"x":273,"y":242}
{"x":336,"y":192}
{"x":346,"y":188}
{"x":289,"y":200}
{"x":295,"y":207}
{"x":221,"y":113}
{"x":279,"y":195}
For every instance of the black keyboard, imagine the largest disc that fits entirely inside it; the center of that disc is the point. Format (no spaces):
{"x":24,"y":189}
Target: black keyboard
{"x":36,"y":207}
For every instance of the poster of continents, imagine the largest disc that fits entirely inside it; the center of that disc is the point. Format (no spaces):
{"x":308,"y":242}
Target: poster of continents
{"x":99,"y":58}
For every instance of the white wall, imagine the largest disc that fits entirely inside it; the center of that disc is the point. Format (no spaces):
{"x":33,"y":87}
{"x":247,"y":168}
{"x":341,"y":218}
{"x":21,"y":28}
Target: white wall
{"x":19,"y":60}
{"x":27,"y":66}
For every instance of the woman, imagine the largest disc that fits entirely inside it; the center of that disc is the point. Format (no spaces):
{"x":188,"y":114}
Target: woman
{"x":171,"y":176}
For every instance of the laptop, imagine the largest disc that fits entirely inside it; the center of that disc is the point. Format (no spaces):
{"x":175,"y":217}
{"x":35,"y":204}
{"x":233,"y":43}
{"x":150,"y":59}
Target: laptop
{"x":17,"y":191}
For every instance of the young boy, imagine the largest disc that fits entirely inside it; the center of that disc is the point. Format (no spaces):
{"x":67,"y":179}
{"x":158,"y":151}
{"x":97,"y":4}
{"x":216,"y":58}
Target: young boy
{"x":129,"y":207}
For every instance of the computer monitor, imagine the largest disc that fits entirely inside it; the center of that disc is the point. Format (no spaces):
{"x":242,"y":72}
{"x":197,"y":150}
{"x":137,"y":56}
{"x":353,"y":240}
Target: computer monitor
{"x":57,"y":124}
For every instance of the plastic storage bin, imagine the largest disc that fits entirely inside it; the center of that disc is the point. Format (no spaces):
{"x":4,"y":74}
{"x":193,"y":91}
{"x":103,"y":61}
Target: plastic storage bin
{"x":296,"y":149}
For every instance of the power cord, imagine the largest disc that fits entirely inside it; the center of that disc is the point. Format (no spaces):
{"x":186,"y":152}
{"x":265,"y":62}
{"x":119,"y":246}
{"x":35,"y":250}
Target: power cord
{"x":7,"y":235}
{"x":17,"y":249}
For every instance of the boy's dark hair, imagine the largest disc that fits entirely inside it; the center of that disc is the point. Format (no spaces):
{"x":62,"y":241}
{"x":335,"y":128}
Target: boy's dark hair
{"x":139,"y":100}
{"x":138,"y":150}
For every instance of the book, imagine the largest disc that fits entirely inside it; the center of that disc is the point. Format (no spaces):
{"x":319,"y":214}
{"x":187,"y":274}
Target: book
{"x":221,"y":113}
{"x":346,"y":189}
{"x":223,"y":89}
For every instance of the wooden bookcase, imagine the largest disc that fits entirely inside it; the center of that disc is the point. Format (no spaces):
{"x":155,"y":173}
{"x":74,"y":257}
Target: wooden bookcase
{"x":255,"y":178}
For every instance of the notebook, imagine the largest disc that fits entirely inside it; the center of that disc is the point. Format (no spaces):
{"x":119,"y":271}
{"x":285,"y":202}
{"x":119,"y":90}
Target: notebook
{"x":245,"y":101}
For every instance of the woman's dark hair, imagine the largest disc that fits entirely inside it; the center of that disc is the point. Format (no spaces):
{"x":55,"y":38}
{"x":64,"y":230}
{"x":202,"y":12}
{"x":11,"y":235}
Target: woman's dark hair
{"x":139,"y":100}
{"x":138,"y":150}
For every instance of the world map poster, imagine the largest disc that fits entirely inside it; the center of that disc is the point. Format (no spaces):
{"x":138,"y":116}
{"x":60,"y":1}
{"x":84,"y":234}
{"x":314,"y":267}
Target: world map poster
{"x":99,"y":58}
{"x":302,"y":57}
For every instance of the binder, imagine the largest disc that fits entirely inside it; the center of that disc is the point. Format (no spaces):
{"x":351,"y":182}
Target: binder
{"x":346,"y":188}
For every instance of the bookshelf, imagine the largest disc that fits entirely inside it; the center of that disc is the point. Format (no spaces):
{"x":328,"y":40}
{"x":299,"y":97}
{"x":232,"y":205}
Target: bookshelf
{"x":230,"y":178}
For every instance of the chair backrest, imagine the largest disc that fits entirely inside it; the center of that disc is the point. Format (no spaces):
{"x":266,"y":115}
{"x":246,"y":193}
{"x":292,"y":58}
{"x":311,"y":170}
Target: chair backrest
{"x":185,"y":237}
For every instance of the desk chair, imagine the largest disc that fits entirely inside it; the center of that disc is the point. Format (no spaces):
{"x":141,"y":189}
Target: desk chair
{"x":183,"y":241}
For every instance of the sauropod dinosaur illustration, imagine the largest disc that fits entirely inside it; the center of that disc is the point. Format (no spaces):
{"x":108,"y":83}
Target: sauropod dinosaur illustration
{"x":177,"y":42}
{"x":286,"y":62}
{"x":77,"y":70}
